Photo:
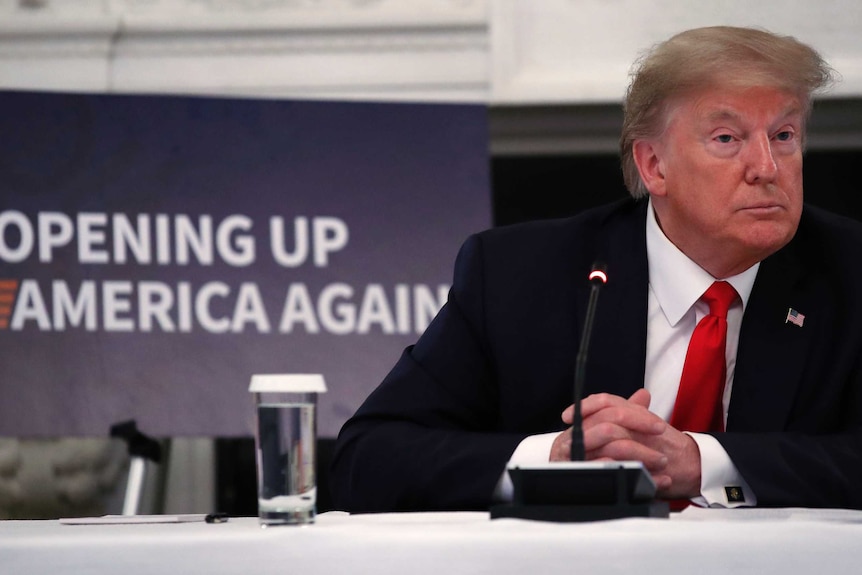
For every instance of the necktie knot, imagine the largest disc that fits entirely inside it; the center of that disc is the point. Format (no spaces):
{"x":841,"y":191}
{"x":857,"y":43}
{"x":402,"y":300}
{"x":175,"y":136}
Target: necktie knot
{"x":719,"y":297}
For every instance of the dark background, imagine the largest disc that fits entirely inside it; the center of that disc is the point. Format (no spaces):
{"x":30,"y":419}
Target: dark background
{"x":528,"y":188}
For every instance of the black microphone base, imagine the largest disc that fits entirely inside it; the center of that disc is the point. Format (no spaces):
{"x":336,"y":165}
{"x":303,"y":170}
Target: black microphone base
{"x":577,"y":513}
{"x":582,"y":491}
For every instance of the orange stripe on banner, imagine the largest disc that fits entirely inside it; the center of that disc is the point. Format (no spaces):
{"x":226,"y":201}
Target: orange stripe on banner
{"x":5,"y":309}
{"x":8,"y":285}
{"x":7,"y":297}
{"x":4,"y":323}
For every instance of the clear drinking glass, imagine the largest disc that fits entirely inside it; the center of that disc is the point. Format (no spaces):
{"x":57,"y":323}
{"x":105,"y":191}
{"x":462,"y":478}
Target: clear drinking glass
{"x":285,"y":444}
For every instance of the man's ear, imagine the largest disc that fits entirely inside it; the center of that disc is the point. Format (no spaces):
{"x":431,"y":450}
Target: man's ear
{"x":648,"y":158}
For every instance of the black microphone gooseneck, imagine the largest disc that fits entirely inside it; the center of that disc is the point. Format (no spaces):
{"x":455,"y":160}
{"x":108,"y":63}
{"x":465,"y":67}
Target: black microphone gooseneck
{"x":598,"y":277}
{"x":580,"y":490}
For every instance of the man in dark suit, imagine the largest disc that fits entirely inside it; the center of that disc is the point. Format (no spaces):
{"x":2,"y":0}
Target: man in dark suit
{"x":712,"y":153}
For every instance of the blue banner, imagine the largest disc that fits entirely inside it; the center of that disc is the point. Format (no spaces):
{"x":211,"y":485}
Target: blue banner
{"x":155,"y":252}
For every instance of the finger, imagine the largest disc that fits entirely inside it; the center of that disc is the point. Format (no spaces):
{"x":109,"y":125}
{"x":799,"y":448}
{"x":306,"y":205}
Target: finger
{"x":620,"y":444}
{"x":641,"y":397}
{"x":593,"y":403}
{"x":561,"y":449}
{"x":633,"y":418}
{"x":628,"y":450}
{"x":568,"y":415}
{"x":662,"y":483}
{"x":598,"y":435}
{"x":599,"y":401}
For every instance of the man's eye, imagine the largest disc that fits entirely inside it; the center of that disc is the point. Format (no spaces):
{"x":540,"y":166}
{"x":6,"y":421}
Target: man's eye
{"x":724,"y":138}
{"x":784,"y":136}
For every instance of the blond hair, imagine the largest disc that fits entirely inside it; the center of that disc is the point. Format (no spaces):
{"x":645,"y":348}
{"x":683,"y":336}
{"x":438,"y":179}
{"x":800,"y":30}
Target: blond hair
{"x":711,"y":56}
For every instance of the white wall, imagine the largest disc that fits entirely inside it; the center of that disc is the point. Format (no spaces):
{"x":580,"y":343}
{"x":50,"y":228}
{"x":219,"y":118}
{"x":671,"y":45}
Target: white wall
{"x":396,"y":49}
{"x":580,"y":51}
{"x":499,"y":51}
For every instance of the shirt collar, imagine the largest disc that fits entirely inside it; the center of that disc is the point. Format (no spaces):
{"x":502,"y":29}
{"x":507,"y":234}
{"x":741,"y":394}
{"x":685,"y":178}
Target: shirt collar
{"x":677,"y":281}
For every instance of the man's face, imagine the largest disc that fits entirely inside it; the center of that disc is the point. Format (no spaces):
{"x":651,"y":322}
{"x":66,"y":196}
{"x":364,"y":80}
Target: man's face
{"x":726,"y":178}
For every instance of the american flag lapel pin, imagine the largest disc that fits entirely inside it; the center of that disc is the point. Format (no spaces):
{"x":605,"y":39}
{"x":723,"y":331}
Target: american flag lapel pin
{"x":794,"y":317}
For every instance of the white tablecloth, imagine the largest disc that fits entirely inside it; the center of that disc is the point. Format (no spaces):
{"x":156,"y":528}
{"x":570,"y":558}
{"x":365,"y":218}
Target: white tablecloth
{"x":700,"y":541}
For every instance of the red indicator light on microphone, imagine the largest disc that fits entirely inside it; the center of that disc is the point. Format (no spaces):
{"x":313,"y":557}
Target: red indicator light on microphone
{"x":599,"y":275}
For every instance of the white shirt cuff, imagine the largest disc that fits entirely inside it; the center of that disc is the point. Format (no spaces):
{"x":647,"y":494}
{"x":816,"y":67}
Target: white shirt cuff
{"x":721,"y":484}
{"x":533,"y":449}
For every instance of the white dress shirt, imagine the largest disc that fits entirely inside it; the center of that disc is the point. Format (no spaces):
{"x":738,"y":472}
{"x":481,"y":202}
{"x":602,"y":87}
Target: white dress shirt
{"x":674,"y":309}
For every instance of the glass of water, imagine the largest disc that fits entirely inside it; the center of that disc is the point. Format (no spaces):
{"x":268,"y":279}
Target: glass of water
{"x":285,"y":443}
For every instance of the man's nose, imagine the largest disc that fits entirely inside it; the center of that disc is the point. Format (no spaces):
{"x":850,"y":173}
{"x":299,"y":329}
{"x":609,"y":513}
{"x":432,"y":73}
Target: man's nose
{"x":760,"y":161}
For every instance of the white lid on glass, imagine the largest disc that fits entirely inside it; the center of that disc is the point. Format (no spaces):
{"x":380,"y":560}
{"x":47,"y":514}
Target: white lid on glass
{"x":287,"y":383}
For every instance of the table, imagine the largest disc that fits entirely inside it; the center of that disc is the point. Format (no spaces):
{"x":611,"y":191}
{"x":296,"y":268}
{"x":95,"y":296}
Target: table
{"x":695,"y":541}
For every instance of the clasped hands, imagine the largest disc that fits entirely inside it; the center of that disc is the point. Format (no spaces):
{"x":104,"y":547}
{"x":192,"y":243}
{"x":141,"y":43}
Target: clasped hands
{"x":619,"y":429}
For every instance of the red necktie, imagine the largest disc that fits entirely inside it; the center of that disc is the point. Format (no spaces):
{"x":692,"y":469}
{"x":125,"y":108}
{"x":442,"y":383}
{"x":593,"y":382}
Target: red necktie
{"x":698,"y":405}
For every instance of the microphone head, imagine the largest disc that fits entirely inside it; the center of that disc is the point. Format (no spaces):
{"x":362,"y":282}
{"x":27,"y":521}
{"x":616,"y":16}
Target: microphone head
{"x":598,"y":274}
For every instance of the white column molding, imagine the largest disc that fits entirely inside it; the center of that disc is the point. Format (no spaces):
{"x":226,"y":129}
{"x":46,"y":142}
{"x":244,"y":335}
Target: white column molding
{"x":378,"y":49}
{"x":44,"y":53}
{"x":440,"y":58}
{"x":506,"y":52}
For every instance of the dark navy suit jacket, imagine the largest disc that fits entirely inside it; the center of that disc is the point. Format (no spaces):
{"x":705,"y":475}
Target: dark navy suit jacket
{"x":497,"y":364}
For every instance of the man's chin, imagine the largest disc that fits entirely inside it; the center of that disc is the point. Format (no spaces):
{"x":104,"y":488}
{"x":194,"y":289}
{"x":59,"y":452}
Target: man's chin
{"x":769,"y":240}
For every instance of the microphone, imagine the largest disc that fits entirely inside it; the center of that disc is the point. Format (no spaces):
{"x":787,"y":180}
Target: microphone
{"x":580,"y":490}
{"x":598,"y":277}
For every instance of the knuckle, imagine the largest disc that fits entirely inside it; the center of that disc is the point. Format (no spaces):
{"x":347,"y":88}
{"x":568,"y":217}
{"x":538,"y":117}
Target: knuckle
{"x":608,"y":429}
{"x":602,"y":399}
{"x":621,"y":449}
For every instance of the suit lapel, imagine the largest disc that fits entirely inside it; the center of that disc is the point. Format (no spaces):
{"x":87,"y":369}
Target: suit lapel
{"x":772,"y":351}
